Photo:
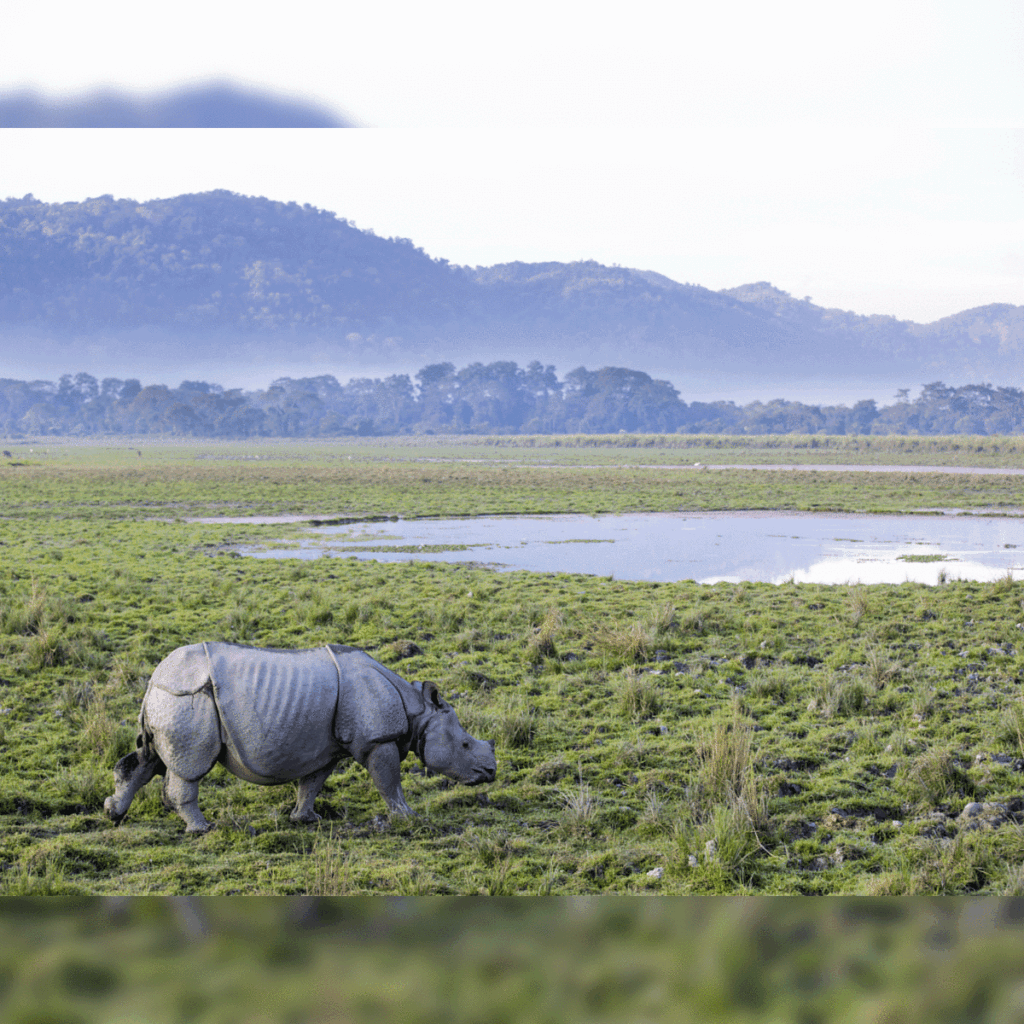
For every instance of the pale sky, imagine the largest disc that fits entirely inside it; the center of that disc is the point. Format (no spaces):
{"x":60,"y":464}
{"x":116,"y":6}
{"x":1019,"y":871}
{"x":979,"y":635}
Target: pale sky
{"x":869,"y":155}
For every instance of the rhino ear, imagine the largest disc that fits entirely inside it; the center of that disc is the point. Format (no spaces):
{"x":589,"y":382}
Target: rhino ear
{"x":431,"y":695}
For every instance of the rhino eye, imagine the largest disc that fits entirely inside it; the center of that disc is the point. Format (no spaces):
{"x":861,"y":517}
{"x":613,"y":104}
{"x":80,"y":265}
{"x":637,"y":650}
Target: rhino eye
{"x":465,"y":745}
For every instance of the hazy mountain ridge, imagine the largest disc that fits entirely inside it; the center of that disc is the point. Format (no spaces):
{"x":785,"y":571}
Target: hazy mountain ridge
{"x":223,"y":278}
{"x":215,"y":104}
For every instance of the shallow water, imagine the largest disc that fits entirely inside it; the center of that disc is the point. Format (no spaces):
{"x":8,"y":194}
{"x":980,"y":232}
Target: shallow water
{"x":710,"y":547}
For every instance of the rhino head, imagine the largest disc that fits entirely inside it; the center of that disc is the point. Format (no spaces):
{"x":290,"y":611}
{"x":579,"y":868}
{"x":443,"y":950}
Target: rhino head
{"x":445,"y":747}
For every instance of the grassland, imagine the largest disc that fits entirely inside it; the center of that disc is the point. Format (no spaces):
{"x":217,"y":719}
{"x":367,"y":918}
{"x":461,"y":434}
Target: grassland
{"x":428,"y":961}
{"x":657,"y":738}
{"x":560,"y":449}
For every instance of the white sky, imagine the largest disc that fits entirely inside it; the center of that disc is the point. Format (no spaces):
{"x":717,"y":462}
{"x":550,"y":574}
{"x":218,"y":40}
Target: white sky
{"x":869,"y":155}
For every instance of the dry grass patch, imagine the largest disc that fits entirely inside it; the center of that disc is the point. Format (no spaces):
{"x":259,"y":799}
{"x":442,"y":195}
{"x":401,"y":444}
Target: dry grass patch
{"x":541,"y":643}
{"x":935,"y":777}
{"x":629,"y":643}
{"x":579,"y":807}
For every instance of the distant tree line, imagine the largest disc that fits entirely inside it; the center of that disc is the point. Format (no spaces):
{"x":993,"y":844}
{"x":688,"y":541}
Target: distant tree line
{"x":497,"y":398}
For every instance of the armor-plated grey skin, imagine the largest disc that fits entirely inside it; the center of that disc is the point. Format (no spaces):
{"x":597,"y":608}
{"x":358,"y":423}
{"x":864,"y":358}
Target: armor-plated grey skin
{"x":273,"y":716}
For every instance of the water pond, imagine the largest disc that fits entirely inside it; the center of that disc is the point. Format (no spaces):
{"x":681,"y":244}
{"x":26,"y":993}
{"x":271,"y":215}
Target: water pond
{"x":708,"y":547}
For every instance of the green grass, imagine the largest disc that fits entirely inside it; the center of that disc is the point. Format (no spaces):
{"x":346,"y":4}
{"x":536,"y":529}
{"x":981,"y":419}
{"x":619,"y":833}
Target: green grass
{"x":423,"y":961}
{"x":820,"y":739}
{"x":340,"y":491}
{"x":564,"y":449}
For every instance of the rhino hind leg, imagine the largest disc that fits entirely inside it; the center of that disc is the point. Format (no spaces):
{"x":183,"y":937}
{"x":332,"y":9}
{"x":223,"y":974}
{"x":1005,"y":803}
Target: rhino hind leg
{"x":309,"y":789}
{"x":182,"y":795}
{"x":384,"y":764}
{"x":131,"y":773}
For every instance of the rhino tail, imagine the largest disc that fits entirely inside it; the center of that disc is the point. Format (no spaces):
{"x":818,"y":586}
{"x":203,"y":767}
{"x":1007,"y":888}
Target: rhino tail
{"x":144,"y":739}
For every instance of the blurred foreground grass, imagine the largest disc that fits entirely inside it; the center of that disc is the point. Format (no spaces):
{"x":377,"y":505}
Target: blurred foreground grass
{"x":469,"y":960}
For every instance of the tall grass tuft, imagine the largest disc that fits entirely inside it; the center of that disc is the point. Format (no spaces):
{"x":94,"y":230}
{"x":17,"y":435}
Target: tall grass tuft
{"x":1011,"y":728}
{"x":857,"y":604}
{"x":241,"y":622}
{"x":935,"y":777}
{"x":770,"y":682}
{"x":881,"y":668}
{"x":315,"y":611}
{"x":727,"y":842}
{"x":638,"y":696}
{"x":662,"y":619}
{"x":579,"y":806}
{"x":36,"y":612}
{"x":128,"y":671}
{"x":101,"y":733}
{"x":724,"y":752}
{"x":24,"y":881}
{"x":541,"y":643}
{"x":839,"y":695}
{"x":726,"y":777}
{"x":630,"y":643}
{"x":514,"y":721}
{"x":50,"y":648}
{"x":932,"y":868}
{"x":329,"y":875}
{"x":1004,"y":585}
{"x":655,"y":810}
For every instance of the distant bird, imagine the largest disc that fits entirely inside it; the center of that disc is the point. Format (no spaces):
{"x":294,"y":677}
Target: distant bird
{"x":7,"y":454}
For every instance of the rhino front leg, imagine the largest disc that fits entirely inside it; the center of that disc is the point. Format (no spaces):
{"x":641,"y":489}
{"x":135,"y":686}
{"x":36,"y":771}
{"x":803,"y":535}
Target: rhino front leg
{"x":183,"y":796}
{"x":385,"y":767}
{"x":131,"y":773}
{"x":309,"y":790}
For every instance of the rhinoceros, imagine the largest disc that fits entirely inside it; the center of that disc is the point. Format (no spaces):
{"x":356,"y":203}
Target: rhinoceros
{"x":272,"y":716}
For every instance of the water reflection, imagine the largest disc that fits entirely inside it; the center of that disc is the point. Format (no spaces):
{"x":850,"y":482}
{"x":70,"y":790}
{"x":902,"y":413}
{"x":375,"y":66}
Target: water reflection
{"x":708,"y":547}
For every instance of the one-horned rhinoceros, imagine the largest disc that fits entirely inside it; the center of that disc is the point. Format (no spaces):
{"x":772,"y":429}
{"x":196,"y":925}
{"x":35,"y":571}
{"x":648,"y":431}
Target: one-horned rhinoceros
{"x":273,"y":716}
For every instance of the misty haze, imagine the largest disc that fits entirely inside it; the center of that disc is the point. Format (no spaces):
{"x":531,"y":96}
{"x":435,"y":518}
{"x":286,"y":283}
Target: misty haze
{"x":238,"y":291}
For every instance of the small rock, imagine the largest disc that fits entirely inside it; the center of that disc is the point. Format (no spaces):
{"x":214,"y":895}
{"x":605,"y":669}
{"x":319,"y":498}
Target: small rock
{"x":692,"y":860}
{"x":972,"y":810}
{"x":710,"y":849}
{"x":656,"y":873}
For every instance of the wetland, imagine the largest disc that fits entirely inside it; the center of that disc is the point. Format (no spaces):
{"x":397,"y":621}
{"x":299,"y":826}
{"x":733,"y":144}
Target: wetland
{"x":652,"y":735}
{"x":707,"y":547}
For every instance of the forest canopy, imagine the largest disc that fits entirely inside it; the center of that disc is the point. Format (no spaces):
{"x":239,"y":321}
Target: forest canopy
{"x":494,"y":398}
{"x":147,"y":283}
